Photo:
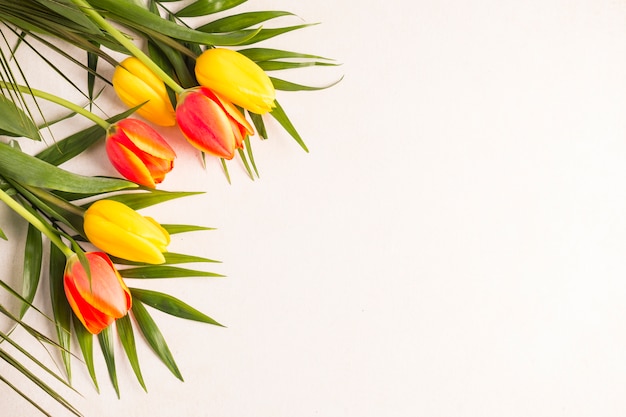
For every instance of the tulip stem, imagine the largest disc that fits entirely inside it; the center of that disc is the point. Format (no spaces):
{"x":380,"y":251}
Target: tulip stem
{"x":58,"y":100}
{"x":128,"y":44}
{"x":35,"y":221}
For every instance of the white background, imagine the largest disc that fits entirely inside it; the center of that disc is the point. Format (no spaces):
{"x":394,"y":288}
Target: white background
{"x":452,"y":246}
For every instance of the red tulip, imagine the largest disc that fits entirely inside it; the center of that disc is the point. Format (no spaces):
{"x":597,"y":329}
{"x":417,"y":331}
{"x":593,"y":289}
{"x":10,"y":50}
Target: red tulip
{"x":210,"y":123}
{"x":97,"y":300}
{"x":138,"y":152}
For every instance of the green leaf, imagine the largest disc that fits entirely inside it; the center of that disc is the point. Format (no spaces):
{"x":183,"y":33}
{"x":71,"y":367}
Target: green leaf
{"x":246,"y":165}
{"x":45,"y":175}
{"x":259,"y":125}
{"x":33,"y":253}
{"x":289,"y":86}
{"x":3,"y":236}
{"x":137,"y":201}
{"x":173,"y":229}
{"x":265,"y":34}
{"x":69,"y":10}
{"x":60,"y":307}
{"x":75,"y":144}
{"x":164,"y":271}
{"x":142,"y":19}
{"x":170,"y":258}
{"x":15,"y":122}
{"x":279,"y":114}
{"x":85,"y":341}
{"x":127,"y":337}
{"x":154,"y":337}
{"x":248,"y":146}
{"x":268,"y":54}
{"x":105,"y":338}
{"x":206,"y":7}
{"x":171,"y":305}
{"x":241,"y":21}
{"x":37,"y":381}
{"x":285,"y":65}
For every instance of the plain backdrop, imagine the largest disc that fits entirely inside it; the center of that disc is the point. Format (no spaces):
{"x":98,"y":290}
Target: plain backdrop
{"x":451,"y":246}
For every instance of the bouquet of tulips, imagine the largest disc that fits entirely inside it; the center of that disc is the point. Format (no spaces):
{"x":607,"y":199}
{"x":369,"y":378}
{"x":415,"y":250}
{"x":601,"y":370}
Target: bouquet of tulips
{"x":205,"y":80}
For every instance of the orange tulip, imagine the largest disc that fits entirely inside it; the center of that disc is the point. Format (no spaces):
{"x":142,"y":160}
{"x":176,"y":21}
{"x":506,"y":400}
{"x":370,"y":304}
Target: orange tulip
{"x":138,"y":152}
{"x":210,"y":123}
{"x":97,"y":300}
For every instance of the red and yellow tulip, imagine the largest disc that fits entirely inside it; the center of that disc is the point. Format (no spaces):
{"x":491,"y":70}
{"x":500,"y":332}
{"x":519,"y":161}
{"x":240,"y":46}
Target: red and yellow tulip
{"x":138,"y":152}
{"x":120,"y":231}
{"x":97,"y":299}
{"x":136,"y":84}
{"x":211,"y":123}
{"x":236,"y":78}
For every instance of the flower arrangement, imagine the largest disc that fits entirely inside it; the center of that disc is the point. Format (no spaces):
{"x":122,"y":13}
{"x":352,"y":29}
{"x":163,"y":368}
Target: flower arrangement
{"x":205,"y":80}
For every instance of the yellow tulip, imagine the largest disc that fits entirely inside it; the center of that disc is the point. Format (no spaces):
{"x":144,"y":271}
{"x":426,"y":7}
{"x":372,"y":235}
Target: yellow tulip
{"x":236,"y":78}
{"x":120,"y":231}
{"x":135,"y":84}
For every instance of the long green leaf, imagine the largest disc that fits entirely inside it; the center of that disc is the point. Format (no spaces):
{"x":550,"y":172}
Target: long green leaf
{"x":138,"y":200}
{"x":33,"y":253}
{"x":165,"y":271}
{"x":75,"y":144}
{"x":171,"y":305}
{"x":184,"y":228}
{"x":268,"y":54}
{"x":127,"y":337}
{"x":85,"y":341}
{"x":241,"y":21}
{"x":289,"y":86}
{"x":139,"y":17}
{"x":279,"y":114}
{"x":60,"y":307}
{"x":68,"y":9}
{"x":105,"y":338}
{"x":15,"y":122}
{"x":206,"y":7}
{"x":154,"y":337}
{"x":38,"y":381}
{"x":170,"y":258}
{"x":45,"y":175}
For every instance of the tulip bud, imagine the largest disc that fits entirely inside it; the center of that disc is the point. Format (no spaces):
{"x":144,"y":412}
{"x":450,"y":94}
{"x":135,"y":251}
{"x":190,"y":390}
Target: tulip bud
{"x":138,"y":152}
{"x":97,"y":299}
{"x":136,"y":84}
{"x":236,"y":78}
{"x":210,"y":123}
{"x":120,"y":231}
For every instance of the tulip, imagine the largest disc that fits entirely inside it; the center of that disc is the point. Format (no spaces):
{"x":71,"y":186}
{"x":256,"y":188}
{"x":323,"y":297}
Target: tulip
{"x":138,"y":152}
{"x":210,"y":123}
{"x":97,"y":299}
{"x":236,"y":78}
{"x":136,"y":84}
{"x":120,"y":231}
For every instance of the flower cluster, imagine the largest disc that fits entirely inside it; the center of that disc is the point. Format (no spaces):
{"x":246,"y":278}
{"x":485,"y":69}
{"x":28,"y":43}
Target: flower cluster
{"x":202,"y":81}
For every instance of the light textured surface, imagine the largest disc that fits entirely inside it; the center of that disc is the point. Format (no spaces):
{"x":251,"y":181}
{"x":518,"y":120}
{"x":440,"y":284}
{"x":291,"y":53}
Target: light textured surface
{"x":453,"y":245}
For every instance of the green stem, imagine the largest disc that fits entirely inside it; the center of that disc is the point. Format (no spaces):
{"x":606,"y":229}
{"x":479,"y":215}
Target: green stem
{"x":128,"y":44}
{"x":41,"y":226}
{"x":58,"y":100}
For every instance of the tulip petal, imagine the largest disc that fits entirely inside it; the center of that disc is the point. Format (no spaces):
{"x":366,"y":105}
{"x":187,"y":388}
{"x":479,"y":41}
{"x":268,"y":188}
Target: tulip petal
{"x":237,"y":78}
{"x":146,"y":139}
{"x":99,"y":299}
{"x":205,"y":125}
{"x":120,"y":231}
{"x":135,"y":84}
{"x":128,"y":164}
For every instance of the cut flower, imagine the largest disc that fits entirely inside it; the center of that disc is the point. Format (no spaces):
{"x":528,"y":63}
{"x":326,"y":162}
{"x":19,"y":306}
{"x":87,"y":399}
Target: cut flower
{"x":120,"y":231}
{"x":97,"y":299}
